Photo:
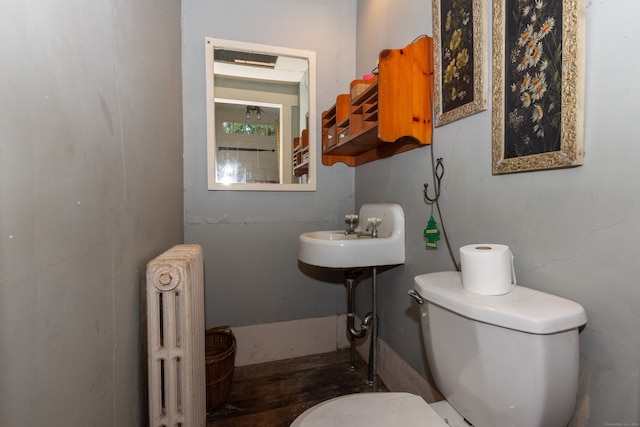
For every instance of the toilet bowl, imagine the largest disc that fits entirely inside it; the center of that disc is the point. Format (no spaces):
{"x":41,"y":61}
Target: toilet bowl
{"x":498,"y":360}
{"x":371,"y":410}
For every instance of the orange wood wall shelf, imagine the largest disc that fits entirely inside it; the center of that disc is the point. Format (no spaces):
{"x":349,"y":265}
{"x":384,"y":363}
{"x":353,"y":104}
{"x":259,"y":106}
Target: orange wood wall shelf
{"x":386,"y":115}
{"x":301,"y":154}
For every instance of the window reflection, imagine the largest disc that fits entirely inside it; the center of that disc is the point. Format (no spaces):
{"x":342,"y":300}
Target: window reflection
{"x":248,"y":147}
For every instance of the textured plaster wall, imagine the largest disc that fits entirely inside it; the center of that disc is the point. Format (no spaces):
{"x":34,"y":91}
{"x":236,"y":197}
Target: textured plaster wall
{"x":574,"y":232}
{"x":250,"y":239}
{"x":90,"y":190}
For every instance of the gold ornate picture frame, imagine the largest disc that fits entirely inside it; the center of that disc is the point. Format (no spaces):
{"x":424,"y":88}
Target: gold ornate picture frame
{"x":538,"y":85}
{"x":460,"y":58}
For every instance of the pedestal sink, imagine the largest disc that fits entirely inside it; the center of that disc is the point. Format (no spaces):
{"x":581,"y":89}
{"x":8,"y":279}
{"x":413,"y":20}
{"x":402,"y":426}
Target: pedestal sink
{"x":377,"y":240}
{"x":335,"y":249}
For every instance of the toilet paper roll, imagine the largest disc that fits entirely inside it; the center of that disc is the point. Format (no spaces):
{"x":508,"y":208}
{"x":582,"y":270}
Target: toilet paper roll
{"x":487,"y":269}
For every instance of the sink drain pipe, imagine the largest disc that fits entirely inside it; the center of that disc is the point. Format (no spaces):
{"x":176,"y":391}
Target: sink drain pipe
{"x":373,"y":350}
{"x":369,"y":322}
{"x":350,"y":283}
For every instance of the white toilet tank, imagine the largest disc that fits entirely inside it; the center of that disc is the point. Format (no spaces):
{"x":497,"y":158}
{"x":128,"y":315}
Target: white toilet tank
{"x":506,"y":360}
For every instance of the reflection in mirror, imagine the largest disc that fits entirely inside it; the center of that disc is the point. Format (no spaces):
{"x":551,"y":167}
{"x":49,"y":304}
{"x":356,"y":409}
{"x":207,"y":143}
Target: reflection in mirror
{"x":248,"y":142}
{"x":260,"y":117}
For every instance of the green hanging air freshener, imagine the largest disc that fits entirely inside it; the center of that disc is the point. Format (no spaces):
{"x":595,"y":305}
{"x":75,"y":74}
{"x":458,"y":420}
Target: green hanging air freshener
{"x":431,"y":233}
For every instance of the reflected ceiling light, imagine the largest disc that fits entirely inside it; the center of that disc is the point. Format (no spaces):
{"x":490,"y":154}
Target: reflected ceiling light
{"x":245,"y":58}
{"x":255,"y":110}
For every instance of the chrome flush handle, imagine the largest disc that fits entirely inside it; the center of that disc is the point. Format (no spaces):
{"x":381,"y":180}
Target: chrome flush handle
{"x":413,"y":294}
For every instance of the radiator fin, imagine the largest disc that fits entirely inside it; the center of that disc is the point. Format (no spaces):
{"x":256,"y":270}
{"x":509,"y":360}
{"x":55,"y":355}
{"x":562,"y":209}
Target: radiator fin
{"x":175,"y":338}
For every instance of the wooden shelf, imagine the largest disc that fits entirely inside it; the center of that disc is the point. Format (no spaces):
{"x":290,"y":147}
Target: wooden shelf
{"x":386,"y":115}
{"x":334,"y":122}
{"x":301,"y":154}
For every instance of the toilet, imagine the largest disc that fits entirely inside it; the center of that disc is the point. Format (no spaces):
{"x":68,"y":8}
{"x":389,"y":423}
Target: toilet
{"x":507,"y":360}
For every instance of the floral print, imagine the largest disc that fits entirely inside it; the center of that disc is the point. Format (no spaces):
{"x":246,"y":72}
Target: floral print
{"x":457,"y":60}
{"x":534,"y":77}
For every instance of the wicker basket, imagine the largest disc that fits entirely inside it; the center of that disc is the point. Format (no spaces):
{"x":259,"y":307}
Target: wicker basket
{"x":220,"y":354}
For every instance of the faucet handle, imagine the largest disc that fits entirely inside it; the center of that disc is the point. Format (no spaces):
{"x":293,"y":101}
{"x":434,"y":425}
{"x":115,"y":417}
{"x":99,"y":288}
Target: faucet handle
{"x":374,"y":221}
{"x":351,"y":220}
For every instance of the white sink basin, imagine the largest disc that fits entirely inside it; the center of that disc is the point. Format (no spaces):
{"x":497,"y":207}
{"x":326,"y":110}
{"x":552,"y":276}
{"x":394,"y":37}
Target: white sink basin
{"x":335,"y":249}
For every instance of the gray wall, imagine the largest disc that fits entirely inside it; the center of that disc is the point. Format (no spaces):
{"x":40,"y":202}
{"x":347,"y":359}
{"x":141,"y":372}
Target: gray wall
{"x":573,"y":232}
{"x":91,"y":179}
{"x":250,"y":238}
{"x":90,"y":190}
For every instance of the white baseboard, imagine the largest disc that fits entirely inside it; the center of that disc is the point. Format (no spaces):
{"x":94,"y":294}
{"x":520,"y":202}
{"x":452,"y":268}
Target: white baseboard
{"x":304,"y":337}
{"x":284,"y":340}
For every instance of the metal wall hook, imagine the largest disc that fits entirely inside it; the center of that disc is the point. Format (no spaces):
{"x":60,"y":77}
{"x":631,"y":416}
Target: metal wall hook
{"x":438,"y":173}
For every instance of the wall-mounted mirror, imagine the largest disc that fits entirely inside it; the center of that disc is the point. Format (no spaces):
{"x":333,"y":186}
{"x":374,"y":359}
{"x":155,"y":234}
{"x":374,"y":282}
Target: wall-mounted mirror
{"x":260,"y":117}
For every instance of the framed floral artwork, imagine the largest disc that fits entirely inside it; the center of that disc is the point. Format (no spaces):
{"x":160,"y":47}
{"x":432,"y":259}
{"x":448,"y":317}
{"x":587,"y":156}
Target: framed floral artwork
{"x":460,"y":58}
{"x":538,"y":85}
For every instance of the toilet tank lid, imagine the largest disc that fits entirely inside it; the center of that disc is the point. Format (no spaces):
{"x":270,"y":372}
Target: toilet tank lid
{"x":522,"y":309}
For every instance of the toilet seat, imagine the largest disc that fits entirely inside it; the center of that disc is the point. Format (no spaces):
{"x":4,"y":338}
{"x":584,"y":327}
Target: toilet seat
{"x":371,"y":410}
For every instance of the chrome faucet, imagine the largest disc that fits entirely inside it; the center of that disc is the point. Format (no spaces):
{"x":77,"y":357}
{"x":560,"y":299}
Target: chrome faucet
{"x":372,"y":228}
{"x":352,"y":221}
{"x":374,"y":223}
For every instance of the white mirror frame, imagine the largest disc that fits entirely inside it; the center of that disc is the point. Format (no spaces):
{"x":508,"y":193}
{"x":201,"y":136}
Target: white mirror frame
{"x":310,"y":56}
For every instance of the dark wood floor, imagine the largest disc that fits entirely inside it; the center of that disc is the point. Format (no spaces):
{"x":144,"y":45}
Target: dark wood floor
{"x":273,"y":394}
